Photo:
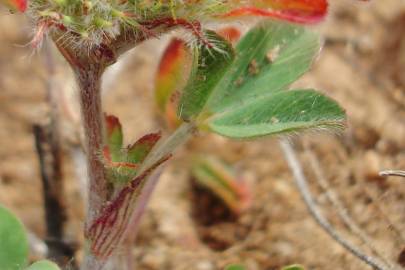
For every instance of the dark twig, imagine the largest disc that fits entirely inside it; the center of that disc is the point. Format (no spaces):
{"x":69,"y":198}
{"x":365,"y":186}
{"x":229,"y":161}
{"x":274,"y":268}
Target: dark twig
{"x":301,"y":182}
{"x":55,"y":211}
{"x":47,"y":142}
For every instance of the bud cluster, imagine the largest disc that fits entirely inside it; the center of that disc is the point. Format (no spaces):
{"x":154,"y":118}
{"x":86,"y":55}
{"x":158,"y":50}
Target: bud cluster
{"x":94,"y":21}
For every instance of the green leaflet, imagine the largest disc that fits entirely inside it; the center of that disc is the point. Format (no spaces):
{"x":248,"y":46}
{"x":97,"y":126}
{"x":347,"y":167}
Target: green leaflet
{"x":269,"y":57}
{"x":209,"y":66}
{"x":277,"y":113}
{"x":13,"y":242}
{"x":43,"y":265}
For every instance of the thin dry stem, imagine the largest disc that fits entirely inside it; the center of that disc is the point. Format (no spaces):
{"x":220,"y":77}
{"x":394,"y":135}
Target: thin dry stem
{"x":340,"y":208}
{"x":393,"y":173}
{"x":303,"y":188}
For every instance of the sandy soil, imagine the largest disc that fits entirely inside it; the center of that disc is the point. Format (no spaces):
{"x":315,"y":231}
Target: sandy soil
{"x":362,"y":66}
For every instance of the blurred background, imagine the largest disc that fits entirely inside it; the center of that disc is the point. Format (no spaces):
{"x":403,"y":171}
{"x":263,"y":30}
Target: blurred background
{"x":362,"y":65}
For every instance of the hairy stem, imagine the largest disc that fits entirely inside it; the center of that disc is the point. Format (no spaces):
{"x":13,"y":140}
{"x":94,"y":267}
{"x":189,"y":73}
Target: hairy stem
{"x":88,"y":66}
{"x":89,"y":81}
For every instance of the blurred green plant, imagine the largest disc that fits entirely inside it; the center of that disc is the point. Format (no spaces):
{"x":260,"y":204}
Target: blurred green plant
{"x":235,"y":267}
{"x":14,"y":245}
{"x":43,"y":265}
{"x":221,"y":179}
{"x":293,"y":267}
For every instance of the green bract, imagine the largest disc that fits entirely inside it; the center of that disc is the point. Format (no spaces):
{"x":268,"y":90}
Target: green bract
{"x":247,"y":95}
{"x":13,"y":242}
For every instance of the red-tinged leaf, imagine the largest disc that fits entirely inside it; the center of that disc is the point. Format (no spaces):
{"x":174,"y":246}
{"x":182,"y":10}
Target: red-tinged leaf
{"x":213,"y":174}
{"x":299,"y":11}
{"x":107,"y":230}
{"x":230,"y":33}
{"x":172,"y":119}
{"x":137,"y":152}
{"x":16,"y":5}
{"x":171,"y":72}
{"x":114,"y":138}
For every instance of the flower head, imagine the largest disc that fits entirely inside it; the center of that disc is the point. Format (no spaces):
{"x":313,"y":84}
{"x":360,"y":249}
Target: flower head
{"x":92,"y":22}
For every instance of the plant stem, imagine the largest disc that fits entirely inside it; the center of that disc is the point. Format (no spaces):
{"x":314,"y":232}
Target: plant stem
{"x":89,"y":81}
{"x":164,"y":148}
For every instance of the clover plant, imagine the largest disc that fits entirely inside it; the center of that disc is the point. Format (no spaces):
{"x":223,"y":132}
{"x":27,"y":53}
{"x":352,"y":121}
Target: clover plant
{"x":240,"y":92}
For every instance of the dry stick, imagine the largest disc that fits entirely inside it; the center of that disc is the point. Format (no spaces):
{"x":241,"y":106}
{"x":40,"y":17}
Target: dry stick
{"x":55,"y":211}
{"x":392,"y":173}
{"x":341,"y":209}
{"x":301,"y":182}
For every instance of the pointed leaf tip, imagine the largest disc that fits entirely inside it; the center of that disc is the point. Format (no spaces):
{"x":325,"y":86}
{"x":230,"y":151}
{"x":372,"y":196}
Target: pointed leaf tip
{"x":114,"y":136}
{"x":138,"y":151}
